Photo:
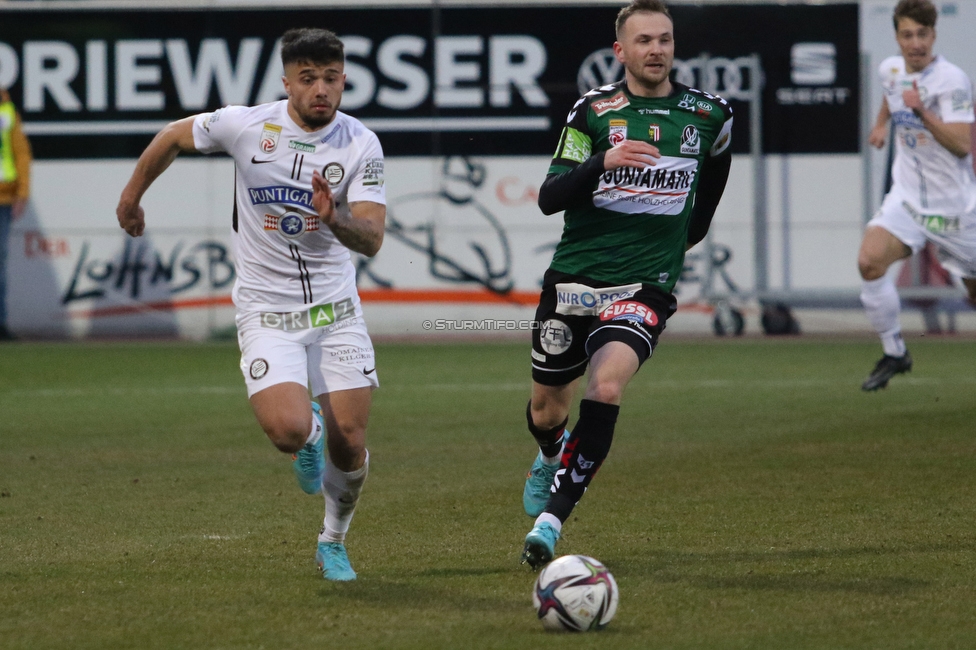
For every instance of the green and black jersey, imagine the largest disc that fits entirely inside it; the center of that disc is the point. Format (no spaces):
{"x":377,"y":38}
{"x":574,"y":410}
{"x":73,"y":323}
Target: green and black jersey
{"x":632,"y":225}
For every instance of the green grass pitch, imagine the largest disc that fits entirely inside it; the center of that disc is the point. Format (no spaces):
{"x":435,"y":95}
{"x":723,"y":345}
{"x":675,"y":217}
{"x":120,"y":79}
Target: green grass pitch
{"x":754,"y":498}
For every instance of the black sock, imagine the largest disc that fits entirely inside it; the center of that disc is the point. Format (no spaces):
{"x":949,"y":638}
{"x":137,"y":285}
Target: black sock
{"x":550,"y":440}
{"x":586,"y":449}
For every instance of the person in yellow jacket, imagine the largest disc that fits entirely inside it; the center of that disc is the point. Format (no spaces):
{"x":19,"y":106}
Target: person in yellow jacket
{"x":15,"y":160}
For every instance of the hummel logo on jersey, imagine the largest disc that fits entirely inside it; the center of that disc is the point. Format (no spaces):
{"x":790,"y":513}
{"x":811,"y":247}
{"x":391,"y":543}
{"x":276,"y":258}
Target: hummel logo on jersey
{"x":255,"y":161}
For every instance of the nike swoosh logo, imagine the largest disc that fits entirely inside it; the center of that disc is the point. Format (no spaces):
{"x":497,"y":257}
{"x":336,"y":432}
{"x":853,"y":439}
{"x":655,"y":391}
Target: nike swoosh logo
{"x":255,"y":161}
{"x":370,"y":371}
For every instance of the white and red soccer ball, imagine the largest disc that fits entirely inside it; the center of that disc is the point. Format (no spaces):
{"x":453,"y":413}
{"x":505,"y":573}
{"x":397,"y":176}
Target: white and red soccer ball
{"x":575,"y":593}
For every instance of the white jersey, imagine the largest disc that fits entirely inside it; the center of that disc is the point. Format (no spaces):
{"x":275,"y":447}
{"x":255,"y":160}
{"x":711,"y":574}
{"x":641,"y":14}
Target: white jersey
{"x":286,"y":259}
{"x":924,"y":173}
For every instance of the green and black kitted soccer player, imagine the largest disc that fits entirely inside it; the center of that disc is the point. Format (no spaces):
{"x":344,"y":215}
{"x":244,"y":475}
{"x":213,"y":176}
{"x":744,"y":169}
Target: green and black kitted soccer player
{"x":639,"y":170}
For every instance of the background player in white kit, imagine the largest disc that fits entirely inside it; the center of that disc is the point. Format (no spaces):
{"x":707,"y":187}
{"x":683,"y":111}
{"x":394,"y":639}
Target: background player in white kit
{"x":933,"y":195}
{"x":309,"y":189}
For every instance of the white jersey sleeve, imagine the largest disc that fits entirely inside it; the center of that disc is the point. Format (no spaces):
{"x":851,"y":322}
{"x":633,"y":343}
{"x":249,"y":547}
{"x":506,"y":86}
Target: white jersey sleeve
{"x":367,"y":182}
{"x":217,"y":131}
{"x":956,"y":97}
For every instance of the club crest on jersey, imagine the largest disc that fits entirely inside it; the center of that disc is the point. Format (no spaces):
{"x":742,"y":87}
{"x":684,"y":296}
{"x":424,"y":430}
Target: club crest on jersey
{"x":259,"y":368}
{"x":690,"y":140}
{"x":614,"y":103}
{"x":269,"y":137}
{"x":631,"y":311}
{"x":618,"y":132}
{"x":334,"y":173}
{"x":654,"y":132}
{"x":290,"y":224}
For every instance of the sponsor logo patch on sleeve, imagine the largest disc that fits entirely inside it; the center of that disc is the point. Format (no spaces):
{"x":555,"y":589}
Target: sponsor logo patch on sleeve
{"x":577,"y":146}
{"x":374,"y":172}
{"x":614,"y":103}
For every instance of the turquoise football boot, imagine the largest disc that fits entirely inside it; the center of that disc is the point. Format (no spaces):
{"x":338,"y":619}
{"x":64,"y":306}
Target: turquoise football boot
{"x":537,"y":484}
{"x":309,"y":462}
{"x":540,"y":545}
{"x":333,"y":562}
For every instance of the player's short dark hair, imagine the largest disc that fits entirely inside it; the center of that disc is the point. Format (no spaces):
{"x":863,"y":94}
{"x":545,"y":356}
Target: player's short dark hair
{"x":922,"y":12}
{"x":311,"y":45}
{"x":641,"y":6}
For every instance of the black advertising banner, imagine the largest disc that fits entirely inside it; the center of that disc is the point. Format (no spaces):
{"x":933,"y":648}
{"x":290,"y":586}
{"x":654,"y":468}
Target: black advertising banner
{"x":429,"y":81}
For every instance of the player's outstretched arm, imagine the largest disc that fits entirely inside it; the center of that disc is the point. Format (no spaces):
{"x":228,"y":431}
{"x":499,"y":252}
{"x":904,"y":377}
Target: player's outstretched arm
{"x":168,"y":143}
{"x":362,"y":231}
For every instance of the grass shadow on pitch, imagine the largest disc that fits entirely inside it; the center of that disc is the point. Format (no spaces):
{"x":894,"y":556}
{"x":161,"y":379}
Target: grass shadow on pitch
{"x":420,"y":593}
{"x":800,"y":582}
{"x":765,"y":570}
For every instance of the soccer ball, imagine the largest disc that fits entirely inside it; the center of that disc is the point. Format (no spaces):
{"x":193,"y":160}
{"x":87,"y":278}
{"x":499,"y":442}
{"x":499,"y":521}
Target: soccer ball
{"x":575,"y":593}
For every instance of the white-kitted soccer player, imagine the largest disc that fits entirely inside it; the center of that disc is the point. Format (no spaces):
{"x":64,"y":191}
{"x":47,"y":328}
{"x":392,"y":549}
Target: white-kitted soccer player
{"x":309,"y":189}
{"x":933,"y":193}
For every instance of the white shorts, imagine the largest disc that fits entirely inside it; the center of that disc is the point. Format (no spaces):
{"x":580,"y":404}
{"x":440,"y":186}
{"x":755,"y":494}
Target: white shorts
{"x":278,"y":348}
{"x":954,"y":236}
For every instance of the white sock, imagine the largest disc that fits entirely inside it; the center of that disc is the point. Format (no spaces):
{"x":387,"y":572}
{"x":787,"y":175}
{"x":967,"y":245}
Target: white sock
{"x":882,"y":306}
{"x":552,"y":520}
{"x":341,"y":490}
{"x":317,"y":429}
{"x":554,"y":460}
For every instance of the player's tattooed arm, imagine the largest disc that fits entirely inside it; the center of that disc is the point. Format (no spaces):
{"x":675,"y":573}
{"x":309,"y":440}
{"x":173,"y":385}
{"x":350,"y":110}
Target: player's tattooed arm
{"x":362,"y":231}
{"x":176,"y":137}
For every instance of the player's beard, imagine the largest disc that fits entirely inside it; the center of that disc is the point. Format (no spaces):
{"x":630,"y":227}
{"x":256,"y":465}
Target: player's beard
{"x":317,"y":121}
{"x":648,"y":79}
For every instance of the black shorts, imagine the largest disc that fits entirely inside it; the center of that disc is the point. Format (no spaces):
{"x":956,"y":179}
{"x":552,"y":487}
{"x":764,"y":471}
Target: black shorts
{"x":577,"y":316}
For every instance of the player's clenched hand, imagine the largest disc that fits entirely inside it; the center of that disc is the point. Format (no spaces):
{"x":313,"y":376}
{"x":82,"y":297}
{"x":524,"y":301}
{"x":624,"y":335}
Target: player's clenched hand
{"x":878,"y":136}
{"x":632,"y":153}
{"x":131,"y":217}
{"x":912,"y":99}
{"x":322,"y":199}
